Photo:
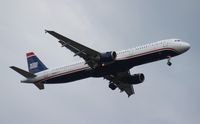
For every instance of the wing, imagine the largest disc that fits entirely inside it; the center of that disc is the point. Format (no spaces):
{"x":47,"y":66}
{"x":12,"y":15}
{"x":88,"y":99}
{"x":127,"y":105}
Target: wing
{"x":123,"y":85}
{"x":88,"y":54}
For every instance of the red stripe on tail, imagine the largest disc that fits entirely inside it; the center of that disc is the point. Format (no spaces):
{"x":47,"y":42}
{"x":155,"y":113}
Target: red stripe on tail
{"x":29,"y":54}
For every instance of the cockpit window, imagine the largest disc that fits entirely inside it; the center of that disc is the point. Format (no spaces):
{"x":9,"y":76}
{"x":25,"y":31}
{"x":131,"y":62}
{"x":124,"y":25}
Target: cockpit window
{"x":177,"y":40}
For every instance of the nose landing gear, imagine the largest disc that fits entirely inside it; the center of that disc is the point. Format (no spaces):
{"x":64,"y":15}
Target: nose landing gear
{"x":112,"y":86}
{"x":168,"y":61}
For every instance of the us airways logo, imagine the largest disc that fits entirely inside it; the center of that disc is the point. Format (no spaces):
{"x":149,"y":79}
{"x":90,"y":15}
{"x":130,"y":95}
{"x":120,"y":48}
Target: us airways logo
{"x":33,"y":65}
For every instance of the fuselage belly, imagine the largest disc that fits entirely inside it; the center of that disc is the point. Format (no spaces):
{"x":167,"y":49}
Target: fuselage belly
{"x":115,"y":67}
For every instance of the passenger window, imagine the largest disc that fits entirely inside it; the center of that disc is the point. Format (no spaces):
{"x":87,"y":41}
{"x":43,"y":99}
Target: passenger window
{"x":177,"y":40}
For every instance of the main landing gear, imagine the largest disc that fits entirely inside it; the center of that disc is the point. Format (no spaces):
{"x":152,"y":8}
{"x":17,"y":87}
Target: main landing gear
{"x":168,"y":61}
{"x":112,"y":86}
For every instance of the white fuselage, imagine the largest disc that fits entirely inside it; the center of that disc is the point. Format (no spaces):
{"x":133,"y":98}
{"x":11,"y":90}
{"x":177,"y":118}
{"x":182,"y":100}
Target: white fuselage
{"x":175,"y":45}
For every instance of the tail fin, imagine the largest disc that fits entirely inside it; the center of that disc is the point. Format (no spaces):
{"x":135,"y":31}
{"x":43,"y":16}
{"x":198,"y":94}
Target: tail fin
{"x":34,"y":63}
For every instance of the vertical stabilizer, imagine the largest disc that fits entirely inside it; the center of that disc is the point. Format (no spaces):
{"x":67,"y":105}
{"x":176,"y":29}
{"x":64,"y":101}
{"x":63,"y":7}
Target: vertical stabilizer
{"x":34,"y":63}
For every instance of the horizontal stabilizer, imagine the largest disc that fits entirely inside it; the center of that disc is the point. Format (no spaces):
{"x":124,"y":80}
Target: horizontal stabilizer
{"x":23,"y":72}
{"x":39,"y":85}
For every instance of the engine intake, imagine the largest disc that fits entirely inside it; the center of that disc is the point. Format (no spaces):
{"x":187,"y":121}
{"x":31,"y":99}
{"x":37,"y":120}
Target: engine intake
{"x":108,"y":56}
{"x":137,"y":78}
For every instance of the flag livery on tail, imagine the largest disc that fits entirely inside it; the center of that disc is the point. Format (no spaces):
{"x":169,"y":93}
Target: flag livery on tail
{"x":34,"y":63}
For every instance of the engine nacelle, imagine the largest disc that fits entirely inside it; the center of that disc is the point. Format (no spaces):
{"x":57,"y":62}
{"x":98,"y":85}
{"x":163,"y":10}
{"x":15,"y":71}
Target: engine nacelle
{"x":137,"y":78}
{"x":108,"y":56}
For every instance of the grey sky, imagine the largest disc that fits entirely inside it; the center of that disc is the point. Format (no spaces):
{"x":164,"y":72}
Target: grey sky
{"x":169,"y":95}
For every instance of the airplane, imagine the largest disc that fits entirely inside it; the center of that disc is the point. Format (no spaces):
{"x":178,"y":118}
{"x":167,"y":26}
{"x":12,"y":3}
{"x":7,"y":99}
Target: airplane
{"x":112,"y":66}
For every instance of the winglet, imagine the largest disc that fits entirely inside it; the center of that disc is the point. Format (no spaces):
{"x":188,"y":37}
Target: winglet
{"x":46,"y":31}
{"x":57,"y":35}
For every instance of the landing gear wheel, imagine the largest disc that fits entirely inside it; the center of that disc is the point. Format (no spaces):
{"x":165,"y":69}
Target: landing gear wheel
{"x":112,"y":86}
{"x":168,"y":61}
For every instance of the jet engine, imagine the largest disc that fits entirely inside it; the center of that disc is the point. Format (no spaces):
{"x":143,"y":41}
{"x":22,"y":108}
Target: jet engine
{"x":108,"y":56}
{"x":136,"y":78}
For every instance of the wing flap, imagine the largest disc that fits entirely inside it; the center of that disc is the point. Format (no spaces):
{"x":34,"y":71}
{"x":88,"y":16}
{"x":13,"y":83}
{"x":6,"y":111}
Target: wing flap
{"x":128,"y":88}
{"x":123,"y":86}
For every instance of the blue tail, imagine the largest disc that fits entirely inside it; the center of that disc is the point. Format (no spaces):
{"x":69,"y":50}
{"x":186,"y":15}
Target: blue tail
{"x":34,"y":63}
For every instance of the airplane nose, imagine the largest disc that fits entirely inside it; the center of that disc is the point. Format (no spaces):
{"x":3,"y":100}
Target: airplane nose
{"x":185,"y":47}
